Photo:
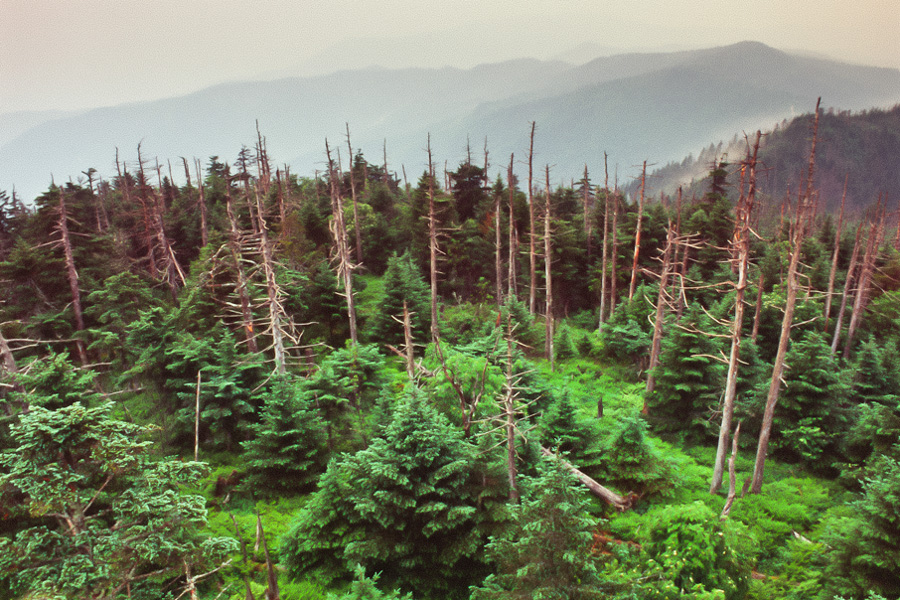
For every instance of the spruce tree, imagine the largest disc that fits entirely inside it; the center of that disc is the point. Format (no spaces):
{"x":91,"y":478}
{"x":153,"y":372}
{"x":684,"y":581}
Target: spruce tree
{"x":402,"y":283}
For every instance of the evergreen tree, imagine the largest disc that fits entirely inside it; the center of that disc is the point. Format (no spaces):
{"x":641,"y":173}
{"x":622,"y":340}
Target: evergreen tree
{"x":289,"y":445}
{"x":97,"y":515}
{"x":402,"y":283}
{"x":404,"y":506}
{"x":546,"y":551}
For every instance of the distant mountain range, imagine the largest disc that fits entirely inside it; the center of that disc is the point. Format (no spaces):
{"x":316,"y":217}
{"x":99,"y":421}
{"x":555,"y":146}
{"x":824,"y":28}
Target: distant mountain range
{"x":657,"y":107}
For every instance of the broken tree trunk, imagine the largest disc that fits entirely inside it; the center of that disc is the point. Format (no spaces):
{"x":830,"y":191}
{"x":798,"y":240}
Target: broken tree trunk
{"x":741,"y":250}
{"x":511,"y":273}
{"x":605,"y":494}
{"x":637,"y":234}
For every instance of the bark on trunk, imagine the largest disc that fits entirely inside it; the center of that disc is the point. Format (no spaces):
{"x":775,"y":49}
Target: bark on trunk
{"x":432,"y":245}
{"x":71,"y":274}
{"x":532,"y":256}
{"x":865,"y":277}
{"x":637,"y":234}
{"x":548,"y":273}
{"x":660,"y":311}
{"x":234,"y":247}
{"x":513,"y":256}
{"x":604,"y":257}
{"x":741,"y":249}
{"x":339,"y":232}
{"x":851,"y":269}
{"x":605,"y":494}
{"x":834,"y":256}
{"x":356,"y":225}
{"x":804,"y":206}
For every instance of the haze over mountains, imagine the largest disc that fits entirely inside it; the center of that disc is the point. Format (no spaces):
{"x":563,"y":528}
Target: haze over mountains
{"x":657,"y":107}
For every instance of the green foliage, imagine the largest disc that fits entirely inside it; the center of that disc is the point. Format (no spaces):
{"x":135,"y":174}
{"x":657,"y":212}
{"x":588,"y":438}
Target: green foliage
{"x":289,"y":445}
{"x":545,"y":553}
{"x":364,"y":588}
{"x":865,"y":545}
{"x":563,"y":428}
{"x":80,"y":480}
{"x":403,"y":283}
{"x":404,"y":506}
{"x":628,"y":333}
{"x":689,"y":379}
{"x":692,"y":553}
{"x":630,"y":462}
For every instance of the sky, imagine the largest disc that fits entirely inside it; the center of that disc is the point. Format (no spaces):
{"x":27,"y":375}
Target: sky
{"x":77,"y":54}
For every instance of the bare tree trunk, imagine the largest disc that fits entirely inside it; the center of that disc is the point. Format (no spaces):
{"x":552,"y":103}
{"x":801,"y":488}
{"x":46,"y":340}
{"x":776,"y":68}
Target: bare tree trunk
{"x":204,"y":228}
{"x":865,"y":276}
{"x":732,"y":476}
{"x":741,"y":249}
{"x":408,"y":344}
{"x":615,"y":248}
{"x":197,"y":419}
{"x":71,"y":274}
{"x":234,"y":246}
{"x":339,"y":231}
{"x":272,"y":591}
{"x":854,"y":257}
{"x":658,"y":319}
{"x":513,"y":257}
{"x":834,"y":256}
{"x":384,"y":176}
{"x":532,"y":256}
{"x":356,"y":224}
{"x":587,"y":213}
{"x":604,"y":257}
{"x":804,"y":206}
{"x":548,"y":274}
{"x":509,"y":409}
{"x":758,"y":311}
{"x":498,"y":248}
{"x":277,"y":315}
{"x":148,"y":236}
{"x":605,"y":494}
{"x":432,"y":245}
{"x":637,"y":234}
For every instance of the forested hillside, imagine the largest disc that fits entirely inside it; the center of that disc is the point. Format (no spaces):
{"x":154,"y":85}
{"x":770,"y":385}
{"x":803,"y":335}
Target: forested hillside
{"x":262,"y":384}
{"x":857,"y":148}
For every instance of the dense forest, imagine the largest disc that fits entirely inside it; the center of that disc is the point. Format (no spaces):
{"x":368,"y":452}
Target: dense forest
{"x":264,"y":385}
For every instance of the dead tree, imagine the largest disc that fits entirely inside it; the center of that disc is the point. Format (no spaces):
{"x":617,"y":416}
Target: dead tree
{"x":587,"y":212}
{"x":71,"y":273}
{"x":758,"y":308}
{"x":865,"y":277}
{"x":201,"y":203}
{"x":851,"y":269}
{"x":147,"y":240}
{"x":356,"y":224}
{"x":532,"y":234}
{"x":660,"y":307}
{"x":798,"y":235}
{"x":740,"y":246}
{"x":732,"y":475}
{"x":511,"y":274}
{"x":637,"y":234}
{"x":548,"y":273}
{"x":498,"y":261}
{"x":235,"y":243}
{"x":605,"y":245}
{"x":615,"y":246}
{"x":342,"y":251}
{"x":834,"y":256}
{"x":432,"y":245}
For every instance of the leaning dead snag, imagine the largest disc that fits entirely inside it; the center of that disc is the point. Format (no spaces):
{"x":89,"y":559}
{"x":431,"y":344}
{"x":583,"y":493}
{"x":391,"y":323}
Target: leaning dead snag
{"x":798,"y":235}
{"x":865,"y":277}
{"x":637,"y":234}
{"x":834,"y":256}
{"x":71,"y":273}
{"x":851,"y":269}
{"x":342,"y":251}
{"x":740,"y":246}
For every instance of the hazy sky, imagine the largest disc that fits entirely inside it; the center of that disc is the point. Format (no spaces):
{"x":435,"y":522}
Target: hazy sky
{"x":64,"y":54}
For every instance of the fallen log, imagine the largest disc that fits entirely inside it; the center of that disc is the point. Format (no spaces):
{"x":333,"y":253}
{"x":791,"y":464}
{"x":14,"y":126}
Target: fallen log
{"x":605,"y":494}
